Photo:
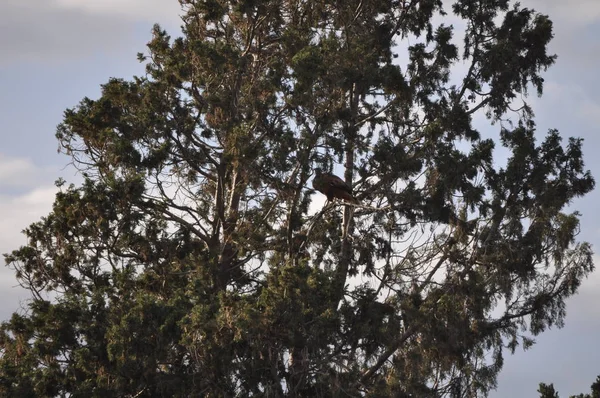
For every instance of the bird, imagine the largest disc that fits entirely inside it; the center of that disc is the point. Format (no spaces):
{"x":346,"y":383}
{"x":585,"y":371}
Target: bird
{"x":333,"y":186}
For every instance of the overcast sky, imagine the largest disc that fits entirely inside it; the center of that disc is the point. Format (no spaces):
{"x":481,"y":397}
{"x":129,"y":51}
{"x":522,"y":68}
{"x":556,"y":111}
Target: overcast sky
{"x":55,"y":52}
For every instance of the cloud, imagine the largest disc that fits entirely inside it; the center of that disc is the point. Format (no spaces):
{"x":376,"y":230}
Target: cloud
{"x":64,"y":30}
{"x":27,"y":194}
{"x":37,"y":32}
{"x":16,"y":213}
{"x":12,"y":170}
{"x":569,"y":105}
{"x":148,"y":10}
{"x":576,"y":28}
{"x":579,"y":12}
{"x":18,"y":172}
{"x":575,"y":346}
{"x":12,"y":296}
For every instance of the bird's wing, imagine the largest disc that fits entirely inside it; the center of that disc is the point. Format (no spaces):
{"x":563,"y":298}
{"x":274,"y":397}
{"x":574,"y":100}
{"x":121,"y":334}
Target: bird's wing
{"x":336,"y":182}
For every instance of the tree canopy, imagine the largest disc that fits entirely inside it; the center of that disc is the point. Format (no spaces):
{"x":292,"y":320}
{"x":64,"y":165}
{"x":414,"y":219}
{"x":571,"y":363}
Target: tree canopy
{"x":548,"y":391}
{"x":195,"y":259}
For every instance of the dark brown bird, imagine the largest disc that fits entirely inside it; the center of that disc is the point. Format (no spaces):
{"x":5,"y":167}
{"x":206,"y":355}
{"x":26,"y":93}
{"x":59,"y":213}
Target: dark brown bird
{"x":333,"y":186}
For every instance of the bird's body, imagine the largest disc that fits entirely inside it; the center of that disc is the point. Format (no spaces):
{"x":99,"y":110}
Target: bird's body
{"x":333,"y":186}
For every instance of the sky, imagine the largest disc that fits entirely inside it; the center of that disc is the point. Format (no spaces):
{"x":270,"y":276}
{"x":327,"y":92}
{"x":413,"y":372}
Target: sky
{"x":55,"y":52}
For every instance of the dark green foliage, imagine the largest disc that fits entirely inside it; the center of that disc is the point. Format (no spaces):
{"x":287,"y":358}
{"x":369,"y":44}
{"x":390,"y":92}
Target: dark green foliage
{"x":548,"y":391}
{"x":189,"y":263}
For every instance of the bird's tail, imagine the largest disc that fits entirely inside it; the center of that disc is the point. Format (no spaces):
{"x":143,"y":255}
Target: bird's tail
{"x":347,"y":197}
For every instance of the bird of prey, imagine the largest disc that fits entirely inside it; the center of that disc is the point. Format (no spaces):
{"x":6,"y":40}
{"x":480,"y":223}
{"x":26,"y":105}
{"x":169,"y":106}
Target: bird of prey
{"x":333,"y":187}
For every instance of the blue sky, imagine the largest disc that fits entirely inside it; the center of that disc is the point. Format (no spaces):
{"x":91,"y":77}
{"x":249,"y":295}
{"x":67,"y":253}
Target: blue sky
{"x":55,"y":52}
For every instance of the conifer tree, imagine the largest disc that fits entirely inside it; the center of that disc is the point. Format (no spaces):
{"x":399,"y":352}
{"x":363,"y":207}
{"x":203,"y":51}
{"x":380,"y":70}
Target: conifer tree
{"x":548,"y":391}
{"x":195,"y":259}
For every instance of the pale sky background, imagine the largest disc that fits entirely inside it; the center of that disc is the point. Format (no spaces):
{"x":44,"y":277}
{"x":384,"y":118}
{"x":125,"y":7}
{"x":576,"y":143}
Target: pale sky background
{"x":55,"y":52}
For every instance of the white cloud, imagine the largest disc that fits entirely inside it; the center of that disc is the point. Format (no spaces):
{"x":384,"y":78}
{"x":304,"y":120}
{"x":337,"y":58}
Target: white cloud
{"x":16,"y":213}
{"x":576,"y":29}
{"x":17,"y":172}
{"x":35,"y":31}
{"x":580,"y":12}
{"x":568,"y":103}
{"x":27,"y":195}
{"x":565,"y":357}
{"x":64,"y":30}
{"x":12,"y":170}
{"x":150,"y":10}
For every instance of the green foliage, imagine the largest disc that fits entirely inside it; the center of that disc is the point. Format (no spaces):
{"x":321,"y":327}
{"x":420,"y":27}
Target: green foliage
{"x":193,"y":261}
{"x":547,"y":391}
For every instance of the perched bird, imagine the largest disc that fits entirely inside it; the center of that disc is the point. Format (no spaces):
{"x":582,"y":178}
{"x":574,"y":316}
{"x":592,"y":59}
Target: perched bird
{"x":333,"y":187}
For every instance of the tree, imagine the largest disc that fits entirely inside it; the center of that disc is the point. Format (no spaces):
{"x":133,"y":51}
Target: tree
{"x":191,"y":263}
{"x":547,"y":391}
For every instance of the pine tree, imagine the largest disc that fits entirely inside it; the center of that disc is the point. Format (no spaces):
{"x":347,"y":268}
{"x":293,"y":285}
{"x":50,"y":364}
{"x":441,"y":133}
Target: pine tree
{"x":548,"y":391}
{"x":191,"y":263}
